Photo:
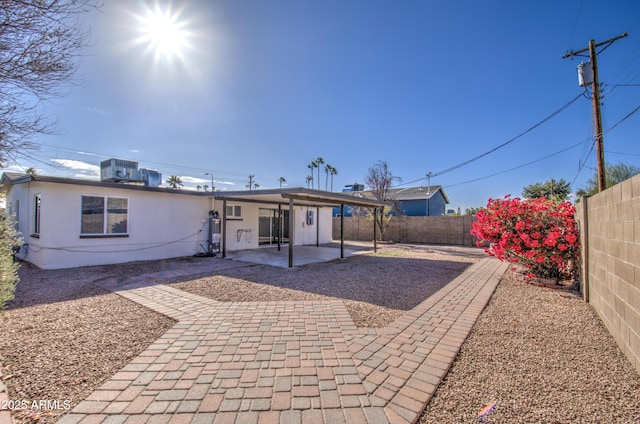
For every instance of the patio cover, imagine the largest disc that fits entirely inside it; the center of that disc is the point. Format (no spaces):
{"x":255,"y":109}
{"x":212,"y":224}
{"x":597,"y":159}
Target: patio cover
{"x":299,"y":197}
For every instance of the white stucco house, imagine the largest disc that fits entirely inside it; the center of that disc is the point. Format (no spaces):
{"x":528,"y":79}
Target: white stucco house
{"x":66,"y":222}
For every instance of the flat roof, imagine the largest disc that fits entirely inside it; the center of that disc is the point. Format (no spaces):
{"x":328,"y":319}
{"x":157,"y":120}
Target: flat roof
{"x":300,"y":196}
{"x":16,"y":178}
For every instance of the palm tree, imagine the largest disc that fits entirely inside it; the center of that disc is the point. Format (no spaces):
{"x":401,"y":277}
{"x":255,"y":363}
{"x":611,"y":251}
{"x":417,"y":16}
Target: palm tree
{"x":281,"y":180}
{"x":319,"y":162}
{"x":255,"y":186}
{"x":333,"y":171}
{"x":327,"y":170}
{"x":205,"y":187}
{"x":31,"y":171}
{"x":313,"y":165}
{"x":309,"y":180}
{"x":199,"y":187}
{"x":174,"y":181}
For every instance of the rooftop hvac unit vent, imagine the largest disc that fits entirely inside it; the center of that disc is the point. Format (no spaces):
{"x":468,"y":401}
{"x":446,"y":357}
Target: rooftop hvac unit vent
{"x":126,"y":171}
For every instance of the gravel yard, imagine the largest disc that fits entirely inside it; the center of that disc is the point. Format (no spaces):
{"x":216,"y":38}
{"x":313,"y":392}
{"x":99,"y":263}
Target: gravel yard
{"x":542,"y":355}
{"x":63,"y":336}
{"x":376,"y":288}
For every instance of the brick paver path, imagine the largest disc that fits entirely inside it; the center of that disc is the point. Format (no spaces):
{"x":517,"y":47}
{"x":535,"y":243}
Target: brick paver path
{"x":287,"y":362}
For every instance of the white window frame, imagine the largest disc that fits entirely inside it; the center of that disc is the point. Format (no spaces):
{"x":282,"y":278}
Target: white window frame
{"x":37,"y":215}
{"x":236,"y":212}
{"x":105,"y":217}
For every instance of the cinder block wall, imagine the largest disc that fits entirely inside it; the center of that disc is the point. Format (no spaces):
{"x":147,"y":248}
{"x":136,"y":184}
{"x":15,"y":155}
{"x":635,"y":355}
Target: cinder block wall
{"x":610,"y":236}
{"x":411,"y":229}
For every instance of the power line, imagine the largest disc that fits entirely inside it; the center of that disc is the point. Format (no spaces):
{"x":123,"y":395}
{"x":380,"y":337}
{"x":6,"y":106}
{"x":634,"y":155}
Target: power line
{"x":517,"y":167}
{"x":460,"y":165}
{"x":550,"y":155}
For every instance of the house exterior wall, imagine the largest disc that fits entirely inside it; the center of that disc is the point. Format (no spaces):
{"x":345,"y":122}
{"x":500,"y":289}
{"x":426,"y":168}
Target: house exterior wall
{"x":610,"y":256}
{"x":418,"y":207}
{"x":243,"y":233}
{"x":160,"y":225}
{"x":320,"y":229}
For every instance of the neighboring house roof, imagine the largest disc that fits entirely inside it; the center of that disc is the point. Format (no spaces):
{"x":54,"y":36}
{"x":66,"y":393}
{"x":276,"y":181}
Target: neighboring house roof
{"x":414,"y":193}
{"x":408,"y":193}
{"x":300,"y":195}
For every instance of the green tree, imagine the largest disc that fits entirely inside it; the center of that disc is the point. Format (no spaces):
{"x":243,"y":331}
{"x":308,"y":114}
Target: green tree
{"x":614,"y":174}
{"x":9,"y":241}
{"x":31,"y":171}
{"x":556,"y":190}
{"x":174,"y":181}
{"x":472,"y":210}
{"x":281,"y":180}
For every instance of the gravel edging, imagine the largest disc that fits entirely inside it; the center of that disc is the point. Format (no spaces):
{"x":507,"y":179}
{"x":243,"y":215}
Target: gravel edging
{"x":63,"y":336}
{"x":541,"y":355}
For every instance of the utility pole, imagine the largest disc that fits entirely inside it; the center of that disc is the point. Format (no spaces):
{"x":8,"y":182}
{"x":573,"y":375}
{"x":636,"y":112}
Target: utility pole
{"x":429,"y":174}
{"x":596,"y":101}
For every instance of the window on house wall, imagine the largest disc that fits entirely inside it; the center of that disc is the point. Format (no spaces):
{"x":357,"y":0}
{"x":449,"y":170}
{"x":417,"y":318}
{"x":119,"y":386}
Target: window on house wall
{"x":104,"y":215}
{"x":234,"y":211}
{"x":36,"y":215}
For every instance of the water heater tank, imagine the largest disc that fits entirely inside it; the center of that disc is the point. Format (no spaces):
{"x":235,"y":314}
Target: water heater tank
{"x":585,"y":74}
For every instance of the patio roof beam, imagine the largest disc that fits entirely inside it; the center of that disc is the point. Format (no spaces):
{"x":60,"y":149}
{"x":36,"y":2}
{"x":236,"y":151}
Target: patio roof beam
{"x":336,"y":201}
{"x":274,"y":202}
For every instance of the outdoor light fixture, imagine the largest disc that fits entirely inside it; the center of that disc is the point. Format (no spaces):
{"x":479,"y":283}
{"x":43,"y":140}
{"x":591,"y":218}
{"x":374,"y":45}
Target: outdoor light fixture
{"x":210,"y":173}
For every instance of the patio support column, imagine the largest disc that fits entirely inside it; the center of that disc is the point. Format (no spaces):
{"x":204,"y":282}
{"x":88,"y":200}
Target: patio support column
{"x":375,"y":233}
{"x":224,"y":228}
{"x":317,"y":226}
{"x":341,"y":230}
{"x":291,"y":231}
{"x":279,"y":225}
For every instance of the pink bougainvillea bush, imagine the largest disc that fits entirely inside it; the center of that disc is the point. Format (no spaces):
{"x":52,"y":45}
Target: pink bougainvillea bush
{"x":539,"y":234}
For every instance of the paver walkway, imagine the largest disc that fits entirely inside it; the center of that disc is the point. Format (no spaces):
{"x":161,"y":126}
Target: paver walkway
{"x":287,"y":362}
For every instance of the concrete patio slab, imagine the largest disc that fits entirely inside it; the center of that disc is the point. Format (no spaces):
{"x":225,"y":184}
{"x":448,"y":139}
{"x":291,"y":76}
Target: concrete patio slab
{"x":302,"y":255}
{"x":287,"y":362}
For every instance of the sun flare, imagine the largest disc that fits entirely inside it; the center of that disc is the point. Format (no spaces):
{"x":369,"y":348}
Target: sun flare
{"x":164,"y":33}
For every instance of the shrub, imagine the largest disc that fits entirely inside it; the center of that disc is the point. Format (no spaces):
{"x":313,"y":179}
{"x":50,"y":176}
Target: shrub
{"x":539,"y":234}
{"x":8,"y":269}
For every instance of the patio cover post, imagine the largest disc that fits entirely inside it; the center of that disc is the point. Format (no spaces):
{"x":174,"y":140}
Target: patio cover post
{"x":375,"y":227}
{"x":291,"y":229}
{"x":279,"y":225}
{"x":317,"y":226}
{"x":341,"y":230}
{"x":224,"y":228}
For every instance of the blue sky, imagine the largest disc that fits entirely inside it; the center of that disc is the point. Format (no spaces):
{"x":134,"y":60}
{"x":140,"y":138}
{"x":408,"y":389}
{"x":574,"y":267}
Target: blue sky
{"x":264,"y":87}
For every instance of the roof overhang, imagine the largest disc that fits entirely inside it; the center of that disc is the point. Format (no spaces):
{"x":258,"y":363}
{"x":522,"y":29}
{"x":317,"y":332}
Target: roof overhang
{"x":299,"y":196}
